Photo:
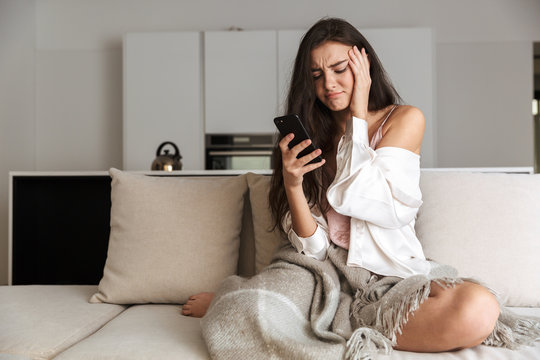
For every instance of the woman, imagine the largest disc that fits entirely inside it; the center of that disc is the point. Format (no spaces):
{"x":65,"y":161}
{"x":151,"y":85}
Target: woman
{"x":348,"y":83}
{"x":362,"y":199}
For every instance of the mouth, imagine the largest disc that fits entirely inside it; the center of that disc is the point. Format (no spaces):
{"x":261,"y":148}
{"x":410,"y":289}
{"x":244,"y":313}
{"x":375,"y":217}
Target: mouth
{"x":333,"y":95}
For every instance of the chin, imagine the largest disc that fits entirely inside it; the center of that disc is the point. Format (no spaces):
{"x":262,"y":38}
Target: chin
{"x":337,"y":107}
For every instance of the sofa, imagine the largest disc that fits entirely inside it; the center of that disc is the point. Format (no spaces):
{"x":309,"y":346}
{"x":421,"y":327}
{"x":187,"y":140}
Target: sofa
{"x":171,"y":237}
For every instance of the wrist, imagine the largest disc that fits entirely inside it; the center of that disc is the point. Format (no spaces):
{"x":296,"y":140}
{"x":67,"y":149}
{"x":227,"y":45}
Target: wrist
{"x":294,"y":187}
{"x":360,"y":115}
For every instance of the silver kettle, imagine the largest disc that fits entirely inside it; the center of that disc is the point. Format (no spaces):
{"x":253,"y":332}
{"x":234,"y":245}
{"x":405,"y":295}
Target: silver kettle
{"x":166,"y":161}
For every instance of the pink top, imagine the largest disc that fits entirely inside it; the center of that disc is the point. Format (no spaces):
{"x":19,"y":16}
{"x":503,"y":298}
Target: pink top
{"x":339,"y":226}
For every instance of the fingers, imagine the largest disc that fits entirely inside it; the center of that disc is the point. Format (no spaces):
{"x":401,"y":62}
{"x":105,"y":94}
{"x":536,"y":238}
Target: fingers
{"x":359,"y":57}
{"x":312,"y":155}
{"x":359,"y":63}
{"x":298,"y":167}
{"x":284,"y":143}
{"x":297,"y":149}
{"x":311,"y":167}
{"x":301,"y":164}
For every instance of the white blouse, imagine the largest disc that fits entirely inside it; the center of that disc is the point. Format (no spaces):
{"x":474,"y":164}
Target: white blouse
{"x":379,"y":190}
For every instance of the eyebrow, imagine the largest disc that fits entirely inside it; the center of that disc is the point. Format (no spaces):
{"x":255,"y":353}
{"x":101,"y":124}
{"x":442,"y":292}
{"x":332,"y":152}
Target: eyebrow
{"x":332,"y":66}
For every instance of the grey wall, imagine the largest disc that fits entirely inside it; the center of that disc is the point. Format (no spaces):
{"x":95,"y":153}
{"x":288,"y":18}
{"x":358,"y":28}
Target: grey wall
{"x":60,"y":73}
{"x":484,"y":104}
{"x":17,"y":104}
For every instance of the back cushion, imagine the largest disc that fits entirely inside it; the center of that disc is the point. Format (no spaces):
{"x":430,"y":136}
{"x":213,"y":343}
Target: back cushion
{"x":488,"y":227}
{"x":170,"y":237}
{"x":266,"y":240}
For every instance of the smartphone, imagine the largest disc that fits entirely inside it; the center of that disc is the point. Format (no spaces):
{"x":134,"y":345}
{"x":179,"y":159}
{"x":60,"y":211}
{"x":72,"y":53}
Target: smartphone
{"x":291,"y":124}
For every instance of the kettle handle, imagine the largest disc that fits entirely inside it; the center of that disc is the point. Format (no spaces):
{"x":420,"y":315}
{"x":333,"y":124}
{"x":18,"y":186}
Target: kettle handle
{"x":176,"y":151}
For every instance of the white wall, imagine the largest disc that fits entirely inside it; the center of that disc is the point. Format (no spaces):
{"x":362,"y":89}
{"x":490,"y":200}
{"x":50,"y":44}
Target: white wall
{"x":60,"y":72}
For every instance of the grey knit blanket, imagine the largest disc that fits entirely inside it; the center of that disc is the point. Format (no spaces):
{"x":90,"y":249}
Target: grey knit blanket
{"x":301,"y":308}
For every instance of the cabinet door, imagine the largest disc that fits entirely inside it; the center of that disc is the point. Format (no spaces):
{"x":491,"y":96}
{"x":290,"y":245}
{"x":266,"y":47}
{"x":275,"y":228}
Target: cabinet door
{"x":162,"y":97}
{"x":240,"y":81}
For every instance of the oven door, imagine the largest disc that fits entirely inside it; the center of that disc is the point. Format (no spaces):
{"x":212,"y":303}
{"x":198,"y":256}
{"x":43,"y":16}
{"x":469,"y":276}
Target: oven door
{"x":239,"y":159}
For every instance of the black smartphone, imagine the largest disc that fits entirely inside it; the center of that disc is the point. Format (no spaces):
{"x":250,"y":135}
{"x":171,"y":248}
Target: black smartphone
{"x":291,"y":124}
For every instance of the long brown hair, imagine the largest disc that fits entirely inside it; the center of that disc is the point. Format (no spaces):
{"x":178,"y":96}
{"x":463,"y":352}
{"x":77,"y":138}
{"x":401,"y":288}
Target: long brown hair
{"x":316,"y":117}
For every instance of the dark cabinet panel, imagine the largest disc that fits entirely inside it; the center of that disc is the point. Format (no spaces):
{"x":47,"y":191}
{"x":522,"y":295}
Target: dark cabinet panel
{"x":61,"y":228}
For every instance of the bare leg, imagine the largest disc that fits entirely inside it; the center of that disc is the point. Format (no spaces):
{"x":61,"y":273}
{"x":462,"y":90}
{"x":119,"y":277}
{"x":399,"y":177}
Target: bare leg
{"x":450,"y":319}
{"x":197,"y":305}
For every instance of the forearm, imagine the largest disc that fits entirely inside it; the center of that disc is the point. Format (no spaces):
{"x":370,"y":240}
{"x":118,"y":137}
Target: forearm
{"x":305,"y":229}
{"x":302,"y":220}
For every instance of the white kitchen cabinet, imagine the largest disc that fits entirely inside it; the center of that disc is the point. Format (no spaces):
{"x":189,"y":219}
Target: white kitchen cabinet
{"x":162,"y":97}
{"x":173,"y":90}
{"x":240,"y":83}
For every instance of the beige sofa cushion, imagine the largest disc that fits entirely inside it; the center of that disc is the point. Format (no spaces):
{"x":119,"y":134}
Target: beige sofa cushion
{"x":487,"y":226}
{"x":144,"y":332}
{"x":170,"y":237}
{"x":38,"y":322}
{"x":266,"y":240}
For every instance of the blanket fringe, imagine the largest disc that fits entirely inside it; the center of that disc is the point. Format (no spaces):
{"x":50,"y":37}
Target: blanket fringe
{"x":364,"y":343}
{"x":393,"y":320}
{"x":512,"y":332}
{"x":448,"y":282}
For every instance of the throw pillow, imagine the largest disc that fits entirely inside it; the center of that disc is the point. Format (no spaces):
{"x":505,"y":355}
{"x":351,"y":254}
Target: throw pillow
{"x":486,"y":226}
{"x":170,"y":237}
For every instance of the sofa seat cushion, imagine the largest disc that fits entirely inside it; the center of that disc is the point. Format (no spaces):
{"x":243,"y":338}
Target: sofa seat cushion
{"x":160,"y":332}
{"x":14,"y":357}
{"x":39,"y":322}
{"x":144,"y":332}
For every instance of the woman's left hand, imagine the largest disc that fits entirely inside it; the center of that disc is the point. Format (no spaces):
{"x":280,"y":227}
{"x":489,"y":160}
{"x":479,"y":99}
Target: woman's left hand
{"x":359,"y":64}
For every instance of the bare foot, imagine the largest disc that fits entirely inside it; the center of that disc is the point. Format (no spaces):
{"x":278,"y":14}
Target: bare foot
{"x":197,"y":305}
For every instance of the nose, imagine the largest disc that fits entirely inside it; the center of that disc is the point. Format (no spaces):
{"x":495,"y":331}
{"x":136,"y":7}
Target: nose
{"x":329,"y":82}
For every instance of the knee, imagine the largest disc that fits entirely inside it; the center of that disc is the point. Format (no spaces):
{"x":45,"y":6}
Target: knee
{"x":477,"y":311}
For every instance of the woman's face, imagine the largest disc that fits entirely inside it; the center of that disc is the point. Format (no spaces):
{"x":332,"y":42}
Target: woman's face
{"x":333,"y":78}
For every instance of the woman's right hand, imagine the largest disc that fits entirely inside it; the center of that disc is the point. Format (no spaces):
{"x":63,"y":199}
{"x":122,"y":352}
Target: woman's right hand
{"x":359,"y":64}
{"x":293,"y":168}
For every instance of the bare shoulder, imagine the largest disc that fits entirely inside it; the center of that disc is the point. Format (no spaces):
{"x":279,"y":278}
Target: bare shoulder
{"x":407,"y":116}
{"x":405,"y":129}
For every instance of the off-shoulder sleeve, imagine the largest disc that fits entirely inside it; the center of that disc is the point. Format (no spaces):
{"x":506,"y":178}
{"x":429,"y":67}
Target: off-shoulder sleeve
{"x":379,"y":186}
{"x":314,"y":246}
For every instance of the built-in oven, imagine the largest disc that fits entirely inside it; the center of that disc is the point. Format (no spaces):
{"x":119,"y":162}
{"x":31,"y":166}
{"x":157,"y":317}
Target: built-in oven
{"x":239,"y":152}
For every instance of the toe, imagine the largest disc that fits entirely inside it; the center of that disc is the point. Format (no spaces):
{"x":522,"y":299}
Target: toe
{"x":186,"y":311}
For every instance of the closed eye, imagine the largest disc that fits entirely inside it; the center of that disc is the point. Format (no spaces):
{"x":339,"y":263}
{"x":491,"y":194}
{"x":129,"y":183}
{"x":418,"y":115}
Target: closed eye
{"x":318,"y":75}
